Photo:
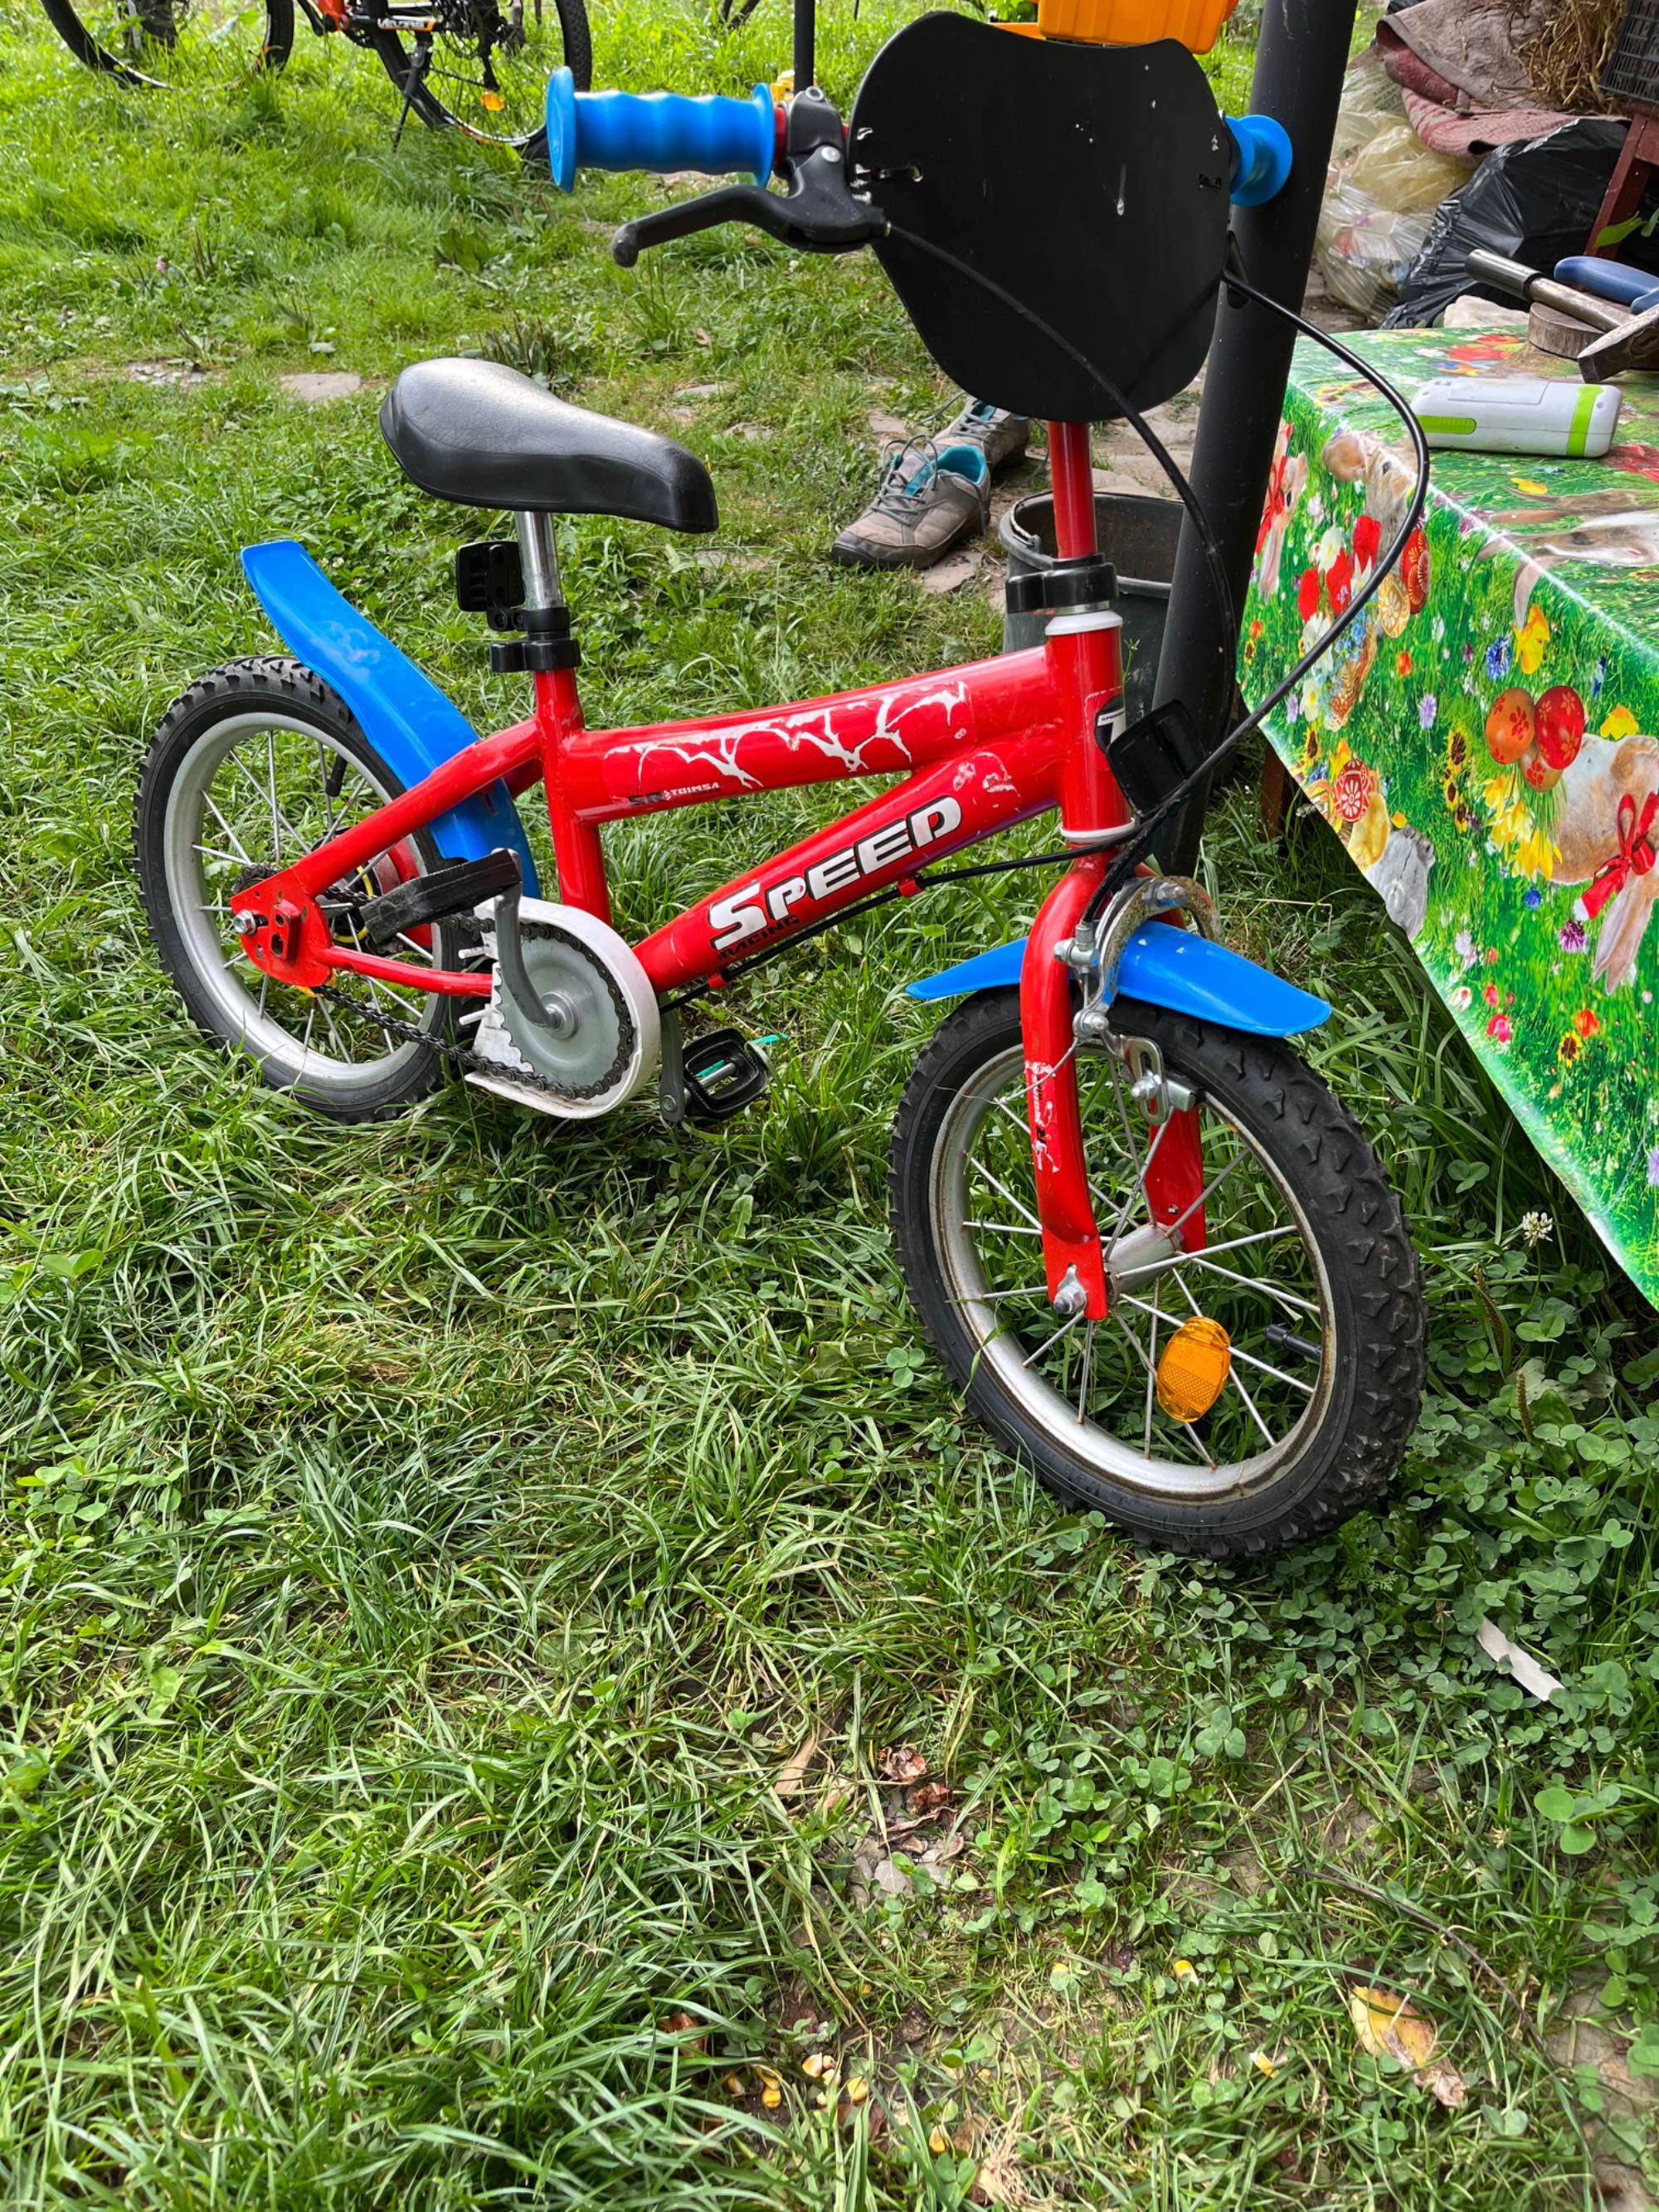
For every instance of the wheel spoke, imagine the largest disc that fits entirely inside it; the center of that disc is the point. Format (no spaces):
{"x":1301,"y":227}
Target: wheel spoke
{"x":1151,"y":1379}
{"x":213,"y":809}
{"x":1234,"y":1378}
{"x":1003,"y":1192}
{"x":1142,"y":1170}
{"x":1253,"y":1283}
{"x":1066,"y":1327}
{"x":1005,"y":1228}
{"x":1206,"y":1194}
{"x":1233,"y":1244}
{"x":1292,"y":1381}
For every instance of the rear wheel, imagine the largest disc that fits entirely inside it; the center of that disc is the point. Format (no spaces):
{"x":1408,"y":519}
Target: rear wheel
{"x":254,"y":766}
{"x":482,"y":66}
{"x":178,"y":43}
{"x":1305,"y":1264}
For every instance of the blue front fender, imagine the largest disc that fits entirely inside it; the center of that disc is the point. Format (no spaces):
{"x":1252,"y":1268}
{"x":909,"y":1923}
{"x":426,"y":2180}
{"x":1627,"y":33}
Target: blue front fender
{"x":1167,"y":966}
{"x":404,"y":714}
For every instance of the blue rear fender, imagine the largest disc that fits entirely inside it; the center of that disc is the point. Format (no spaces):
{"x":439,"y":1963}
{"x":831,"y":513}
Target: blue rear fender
{"x":1167,"y":966}
{"x":403,"y":714}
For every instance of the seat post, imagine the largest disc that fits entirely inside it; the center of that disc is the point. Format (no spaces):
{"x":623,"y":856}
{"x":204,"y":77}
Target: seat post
{"x":540,"y":557}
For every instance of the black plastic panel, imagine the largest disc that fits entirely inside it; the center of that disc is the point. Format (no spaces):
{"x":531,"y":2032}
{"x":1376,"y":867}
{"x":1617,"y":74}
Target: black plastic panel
{"x":1089,"y":182}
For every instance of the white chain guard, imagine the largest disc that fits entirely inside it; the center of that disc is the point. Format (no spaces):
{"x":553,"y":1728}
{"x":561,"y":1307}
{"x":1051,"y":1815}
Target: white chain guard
{"x":491,"y":1040}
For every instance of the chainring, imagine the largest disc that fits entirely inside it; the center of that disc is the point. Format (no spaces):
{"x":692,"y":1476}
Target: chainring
{"x":596,"y":1057}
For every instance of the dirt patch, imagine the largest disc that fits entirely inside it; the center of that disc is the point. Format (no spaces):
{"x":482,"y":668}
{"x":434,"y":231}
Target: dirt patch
{"x":317,"y":386}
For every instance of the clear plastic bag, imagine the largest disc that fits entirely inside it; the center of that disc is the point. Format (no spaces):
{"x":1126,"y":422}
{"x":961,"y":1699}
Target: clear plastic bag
{"x":1364,"y":250}
{"x":1400,"y":172}
{"x":1370,"y":102}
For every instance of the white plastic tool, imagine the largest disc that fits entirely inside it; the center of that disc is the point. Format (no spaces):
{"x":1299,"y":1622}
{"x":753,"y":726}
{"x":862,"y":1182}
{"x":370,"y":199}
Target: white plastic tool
{"x":1518,"y":415}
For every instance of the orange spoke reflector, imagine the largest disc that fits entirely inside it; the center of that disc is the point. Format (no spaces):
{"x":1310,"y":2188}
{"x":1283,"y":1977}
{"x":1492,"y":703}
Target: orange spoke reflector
{"x":1194,"y":1370}
{"x":492,"y":102}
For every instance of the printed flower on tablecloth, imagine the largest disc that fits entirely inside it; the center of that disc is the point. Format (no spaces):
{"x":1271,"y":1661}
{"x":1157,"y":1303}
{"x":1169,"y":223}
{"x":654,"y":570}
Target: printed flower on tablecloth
{"x":1570,"y":1049}
{"x":1653,"y":1166}
{"x":1428,"y":708}
{"x":1572,"y":936}
{"x":1585,"y":1022}
{"x":1621,"y":723}
{"x":1532,"y":642}
{"x":1500,"y":1030}
{"x":1500,"y":658}
{"x":1462,"y":998}
{"x":1532,"y":898}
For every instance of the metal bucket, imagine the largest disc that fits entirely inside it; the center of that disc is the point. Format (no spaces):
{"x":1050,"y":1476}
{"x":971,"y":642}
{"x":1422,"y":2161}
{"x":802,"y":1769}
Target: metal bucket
{"x":1138,"y":536}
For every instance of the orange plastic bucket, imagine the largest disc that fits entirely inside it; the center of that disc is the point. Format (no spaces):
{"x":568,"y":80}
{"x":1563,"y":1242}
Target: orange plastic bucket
{"x":1196,"y":23}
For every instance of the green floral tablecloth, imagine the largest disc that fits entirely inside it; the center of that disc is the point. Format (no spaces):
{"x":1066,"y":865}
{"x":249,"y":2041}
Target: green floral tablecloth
{"x":1479,"y":740}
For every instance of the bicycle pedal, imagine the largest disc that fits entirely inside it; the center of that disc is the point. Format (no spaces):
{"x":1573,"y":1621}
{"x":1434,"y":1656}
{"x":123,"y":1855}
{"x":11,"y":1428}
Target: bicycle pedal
{"x":430,"y":897}
{"x":722,"y":1073}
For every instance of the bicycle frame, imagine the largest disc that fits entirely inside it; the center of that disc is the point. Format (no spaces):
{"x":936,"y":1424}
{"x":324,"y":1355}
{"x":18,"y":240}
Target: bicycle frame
{"x":978,"y":748}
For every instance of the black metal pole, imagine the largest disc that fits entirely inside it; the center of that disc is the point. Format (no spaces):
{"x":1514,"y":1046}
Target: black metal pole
{"x":1300,"y":58}
{"x":806,"y":44}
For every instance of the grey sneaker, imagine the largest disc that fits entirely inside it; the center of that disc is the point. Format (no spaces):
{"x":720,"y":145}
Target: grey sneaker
{"x":1000,"y":436}
{"x":929,"y":499}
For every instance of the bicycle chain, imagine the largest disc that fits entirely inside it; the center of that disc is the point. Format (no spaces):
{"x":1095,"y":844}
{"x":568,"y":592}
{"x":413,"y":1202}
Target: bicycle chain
{"x":521,"y":1078}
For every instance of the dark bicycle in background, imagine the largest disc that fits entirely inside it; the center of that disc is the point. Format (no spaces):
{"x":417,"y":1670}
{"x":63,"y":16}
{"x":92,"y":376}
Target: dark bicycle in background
{"x":479,"y":66}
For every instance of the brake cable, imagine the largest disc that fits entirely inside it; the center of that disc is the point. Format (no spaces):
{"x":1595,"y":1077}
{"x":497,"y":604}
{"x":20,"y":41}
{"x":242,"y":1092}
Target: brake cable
{"x":1131,"y":851}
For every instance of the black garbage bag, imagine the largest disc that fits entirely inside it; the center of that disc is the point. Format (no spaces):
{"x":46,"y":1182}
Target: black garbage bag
{"x":1535,"y":201}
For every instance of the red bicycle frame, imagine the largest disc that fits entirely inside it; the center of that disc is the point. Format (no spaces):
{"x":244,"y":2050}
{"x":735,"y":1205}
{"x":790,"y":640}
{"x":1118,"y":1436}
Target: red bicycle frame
{"x":978,"y":748}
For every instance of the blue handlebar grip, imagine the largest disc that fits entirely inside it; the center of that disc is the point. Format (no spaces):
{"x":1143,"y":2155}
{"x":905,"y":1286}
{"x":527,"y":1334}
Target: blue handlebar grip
{"x":661,"y":130}
{"x":1265,"y":155}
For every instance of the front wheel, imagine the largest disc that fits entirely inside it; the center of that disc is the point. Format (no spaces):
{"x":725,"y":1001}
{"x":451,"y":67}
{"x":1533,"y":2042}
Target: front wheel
{"x":1305,"y":1263}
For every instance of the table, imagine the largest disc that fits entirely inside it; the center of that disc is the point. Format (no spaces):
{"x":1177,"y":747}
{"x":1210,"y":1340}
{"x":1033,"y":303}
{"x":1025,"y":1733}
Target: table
{"x":1479,"y":740}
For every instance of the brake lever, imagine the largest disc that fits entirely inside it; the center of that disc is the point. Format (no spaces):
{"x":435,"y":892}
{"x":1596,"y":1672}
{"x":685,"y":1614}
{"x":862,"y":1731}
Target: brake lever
{"x":819,"y":214}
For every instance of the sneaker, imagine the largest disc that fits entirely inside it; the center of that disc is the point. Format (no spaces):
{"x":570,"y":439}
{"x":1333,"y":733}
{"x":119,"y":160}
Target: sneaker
{"x":929,"y":499}
{"x":1000,"y":436}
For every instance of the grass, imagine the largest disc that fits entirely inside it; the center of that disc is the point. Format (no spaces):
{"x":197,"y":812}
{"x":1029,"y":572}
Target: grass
{"x":425,"y":1546}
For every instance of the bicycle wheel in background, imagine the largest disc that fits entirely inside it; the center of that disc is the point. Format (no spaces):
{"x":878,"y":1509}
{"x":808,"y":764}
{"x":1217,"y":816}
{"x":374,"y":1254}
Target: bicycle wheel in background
{"x":477,"y":67}
{"x":175,"y":43}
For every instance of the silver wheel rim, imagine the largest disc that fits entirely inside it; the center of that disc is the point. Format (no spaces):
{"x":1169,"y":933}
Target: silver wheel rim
{"x":1072,"y":1380}
{"x":233,"y":777}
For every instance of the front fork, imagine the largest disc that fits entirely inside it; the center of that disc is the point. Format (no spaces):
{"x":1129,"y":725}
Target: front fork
{"x":1085,"y":658}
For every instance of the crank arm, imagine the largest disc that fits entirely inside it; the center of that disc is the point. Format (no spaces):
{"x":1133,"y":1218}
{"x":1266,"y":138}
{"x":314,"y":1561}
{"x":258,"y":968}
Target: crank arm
{"x":515,"y":977}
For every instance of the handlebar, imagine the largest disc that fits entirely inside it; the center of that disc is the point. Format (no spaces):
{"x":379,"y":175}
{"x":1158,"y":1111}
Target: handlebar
{"x":805,"y":142}
{"x":661,"y":130}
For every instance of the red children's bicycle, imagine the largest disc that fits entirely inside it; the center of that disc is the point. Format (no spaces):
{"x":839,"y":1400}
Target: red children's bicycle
{"x":1152,"y":1250}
